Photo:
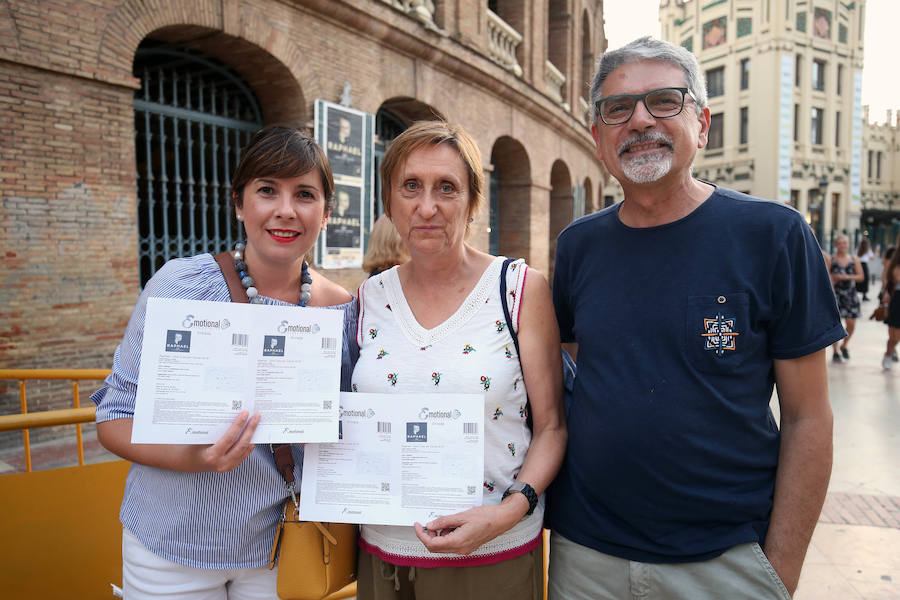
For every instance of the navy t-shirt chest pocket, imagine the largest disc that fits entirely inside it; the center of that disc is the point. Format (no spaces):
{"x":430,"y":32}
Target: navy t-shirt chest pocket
{"x":718,"y":332}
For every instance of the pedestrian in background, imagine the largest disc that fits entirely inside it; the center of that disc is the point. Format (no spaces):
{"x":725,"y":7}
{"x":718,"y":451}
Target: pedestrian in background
{"x":846,"y":272}
{"x":386,"y":249}
{"x":890,"y":296}
{"x":864,"y":253}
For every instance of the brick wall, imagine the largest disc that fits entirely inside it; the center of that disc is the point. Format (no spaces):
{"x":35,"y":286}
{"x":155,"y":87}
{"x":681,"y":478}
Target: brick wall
{"x":68,"y":235}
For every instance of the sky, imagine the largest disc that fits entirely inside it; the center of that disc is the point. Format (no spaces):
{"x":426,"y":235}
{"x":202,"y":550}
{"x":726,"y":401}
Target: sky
{"x":630,"y":19}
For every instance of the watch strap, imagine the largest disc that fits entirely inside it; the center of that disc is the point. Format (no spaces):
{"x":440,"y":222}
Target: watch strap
{"x":527,"y":491}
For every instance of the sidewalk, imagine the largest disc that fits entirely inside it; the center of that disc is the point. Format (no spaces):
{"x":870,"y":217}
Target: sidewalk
{"x":855,"y":550}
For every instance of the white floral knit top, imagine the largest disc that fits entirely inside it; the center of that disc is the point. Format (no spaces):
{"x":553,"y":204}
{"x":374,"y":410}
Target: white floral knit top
{"x":471,"y":352}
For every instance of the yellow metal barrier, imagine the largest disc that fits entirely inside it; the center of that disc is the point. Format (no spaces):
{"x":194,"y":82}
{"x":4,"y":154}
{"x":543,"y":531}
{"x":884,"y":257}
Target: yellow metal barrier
{"x":117,"y":470}
{"x":26,"y":420}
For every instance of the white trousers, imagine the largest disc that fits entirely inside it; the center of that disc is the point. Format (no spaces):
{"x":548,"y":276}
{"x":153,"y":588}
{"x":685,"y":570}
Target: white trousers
{"x":146,"y":576}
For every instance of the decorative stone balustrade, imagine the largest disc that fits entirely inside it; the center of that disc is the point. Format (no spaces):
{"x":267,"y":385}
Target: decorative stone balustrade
{"x":423,"y":10}
{"x":502,"y":43}
{"x":555,"y":81}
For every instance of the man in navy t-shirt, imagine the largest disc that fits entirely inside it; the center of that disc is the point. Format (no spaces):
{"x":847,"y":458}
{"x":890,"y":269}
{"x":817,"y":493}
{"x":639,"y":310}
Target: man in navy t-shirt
{"x":686,"y":304}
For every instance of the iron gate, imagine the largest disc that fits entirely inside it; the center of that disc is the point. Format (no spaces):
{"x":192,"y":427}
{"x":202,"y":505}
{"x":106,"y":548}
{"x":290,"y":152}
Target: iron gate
{"x":192,"y":117}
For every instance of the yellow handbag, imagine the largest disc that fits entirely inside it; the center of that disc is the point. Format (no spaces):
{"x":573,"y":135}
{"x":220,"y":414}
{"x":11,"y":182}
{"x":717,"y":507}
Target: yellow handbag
{"x":314,"y":559}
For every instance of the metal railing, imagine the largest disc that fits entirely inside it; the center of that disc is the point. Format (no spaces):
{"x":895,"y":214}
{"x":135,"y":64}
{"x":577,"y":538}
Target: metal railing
{"x":72,"y":416}
{"x":78,"y":415}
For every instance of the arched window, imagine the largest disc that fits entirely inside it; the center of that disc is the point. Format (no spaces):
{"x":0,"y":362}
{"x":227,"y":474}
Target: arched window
{"x":192,"y":117}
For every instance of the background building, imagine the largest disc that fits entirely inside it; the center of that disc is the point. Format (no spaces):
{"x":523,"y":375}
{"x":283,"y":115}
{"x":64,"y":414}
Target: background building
{"x":784,"y":82}
{"x":881,"y":179}
{"x":121,"y":121}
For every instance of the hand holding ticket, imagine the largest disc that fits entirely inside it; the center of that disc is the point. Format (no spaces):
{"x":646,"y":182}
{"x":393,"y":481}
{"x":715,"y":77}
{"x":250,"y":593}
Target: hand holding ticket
{"x":401,"y":459}
{"x":203,"y":363}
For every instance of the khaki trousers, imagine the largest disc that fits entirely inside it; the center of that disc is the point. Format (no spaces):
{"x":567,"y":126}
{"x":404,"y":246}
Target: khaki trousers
{"x":518,"y":578}
{"x":581,"y":573}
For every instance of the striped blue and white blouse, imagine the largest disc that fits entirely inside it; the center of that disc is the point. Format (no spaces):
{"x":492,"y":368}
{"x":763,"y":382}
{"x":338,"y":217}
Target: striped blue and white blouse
{"x":204,"y":520}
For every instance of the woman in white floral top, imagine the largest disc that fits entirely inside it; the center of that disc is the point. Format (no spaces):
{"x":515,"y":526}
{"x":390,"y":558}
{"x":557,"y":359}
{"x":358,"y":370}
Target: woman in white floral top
{"x":436,"y":324}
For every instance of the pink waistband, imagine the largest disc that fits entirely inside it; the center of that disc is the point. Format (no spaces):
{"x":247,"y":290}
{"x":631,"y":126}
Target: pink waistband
{"x":437,"y":560}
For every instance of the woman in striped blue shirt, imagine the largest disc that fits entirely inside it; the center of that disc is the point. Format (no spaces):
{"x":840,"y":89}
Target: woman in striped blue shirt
{"x":199,"y":520}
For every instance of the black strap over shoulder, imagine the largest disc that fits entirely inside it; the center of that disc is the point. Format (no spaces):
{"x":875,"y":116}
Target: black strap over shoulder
{"x":513,"y":333}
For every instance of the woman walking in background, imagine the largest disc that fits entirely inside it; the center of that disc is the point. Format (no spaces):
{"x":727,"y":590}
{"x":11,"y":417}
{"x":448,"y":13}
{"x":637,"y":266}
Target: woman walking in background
{"x":890,"y":296}
{"x":845,"y":271}
{"x":864,"y":253}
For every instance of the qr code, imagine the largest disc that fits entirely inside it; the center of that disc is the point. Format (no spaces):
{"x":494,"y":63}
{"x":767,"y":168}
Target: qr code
{"x":385,"y":486}
{"x":236,"y":405}
{"x":470,"y":490}
{"x":326,"y":404}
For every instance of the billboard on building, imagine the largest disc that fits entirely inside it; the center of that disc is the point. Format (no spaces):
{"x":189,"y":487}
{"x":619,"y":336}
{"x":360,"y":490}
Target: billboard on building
{"x":346,"y":136}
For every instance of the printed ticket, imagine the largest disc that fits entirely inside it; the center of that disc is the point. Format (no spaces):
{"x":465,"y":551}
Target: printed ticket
{"x":203,"y":362}
{"x":401,"y":459}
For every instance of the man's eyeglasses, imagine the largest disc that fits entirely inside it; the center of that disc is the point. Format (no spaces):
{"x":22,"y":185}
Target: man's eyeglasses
{"x":662,"y":104}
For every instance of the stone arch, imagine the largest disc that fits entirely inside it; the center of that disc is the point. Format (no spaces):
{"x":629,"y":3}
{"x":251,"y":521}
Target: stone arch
{"x":559,"y":28}
{"x":281,"y":97}
{"x":589,"y":205}
{"x":393,"y":116}
{"x":204,"y":25}
{"x":510,"y":199}
{"x":562,"y":207}
{"x":587,"y":58}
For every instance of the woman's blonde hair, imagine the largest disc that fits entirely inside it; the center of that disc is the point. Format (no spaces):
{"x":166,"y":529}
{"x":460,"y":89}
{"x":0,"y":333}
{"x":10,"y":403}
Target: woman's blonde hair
{"x":386,"y":249}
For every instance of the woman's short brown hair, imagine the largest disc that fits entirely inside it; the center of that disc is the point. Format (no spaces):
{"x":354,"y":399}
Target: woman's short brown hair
{"x":281,"y":152}
{"x":423,"y":133}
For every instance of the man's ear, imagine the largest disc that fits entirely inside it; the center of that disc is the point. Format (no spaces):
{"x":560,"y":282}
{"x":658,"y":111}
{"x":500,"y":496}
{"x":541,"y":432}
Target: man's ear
{"x":595,"y":133}
{"x":704,"y":119}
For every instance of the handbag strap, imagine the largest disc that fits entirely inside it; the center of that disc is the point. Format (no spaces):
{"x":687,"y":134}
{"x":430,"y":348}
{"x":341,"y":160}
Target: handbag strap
{"x":513,"y":333}
{"x":226,"y":264}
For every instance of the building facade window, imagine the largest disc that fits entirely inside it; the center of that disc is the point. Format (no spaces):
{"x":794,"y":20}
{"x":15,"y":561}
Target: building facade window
{"x":840,"y":80}
{"x":715,"y":82}
{"x":815,"y":128}
{"x":818,"y":75}
{"x":716,"y":132}
{"x":796,"y":122}
{"x":745,"y":123}
{"x":869,"y":165}
{"x":745,"y":74}
{"x":878,"y":165}
{"x":837,"y":128}
{"x":798,"y":63}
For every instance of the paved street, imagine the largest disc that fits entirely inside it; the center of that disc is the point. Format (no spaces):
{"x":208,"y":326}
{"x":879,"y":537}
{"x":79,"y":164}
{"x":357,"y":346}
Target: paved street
{"x":855,"y":552}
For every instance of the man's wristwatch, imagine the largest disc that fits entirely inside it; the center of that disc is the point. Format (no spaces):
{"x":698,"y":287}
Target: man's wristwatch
{"x":527,"y":491}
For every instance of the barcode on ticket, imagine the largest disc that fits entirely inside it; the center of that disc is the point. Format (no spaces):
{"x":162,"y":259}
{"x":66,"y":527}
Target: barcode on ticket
{"x":329,"y":343}
{"x":240,"y":339}
{"x":470,"y":428}
{"x":384,"y":426}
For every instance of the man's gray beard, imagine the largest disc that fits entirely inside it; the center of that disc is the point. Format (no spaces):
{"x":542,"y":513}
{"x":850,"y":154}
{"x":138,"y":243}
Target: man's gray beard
{"x":646,"y":169}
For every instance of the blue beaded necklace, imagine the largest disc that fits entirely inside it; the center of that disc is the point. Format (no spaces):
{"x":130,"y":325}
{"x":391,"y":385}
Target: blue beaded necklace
{"x":247,"y":282}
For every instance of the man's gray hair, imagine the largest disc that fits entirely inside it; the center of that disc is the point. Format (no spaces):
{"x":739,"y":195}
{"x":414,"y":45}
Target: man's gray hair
{"x":648,"y":48}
